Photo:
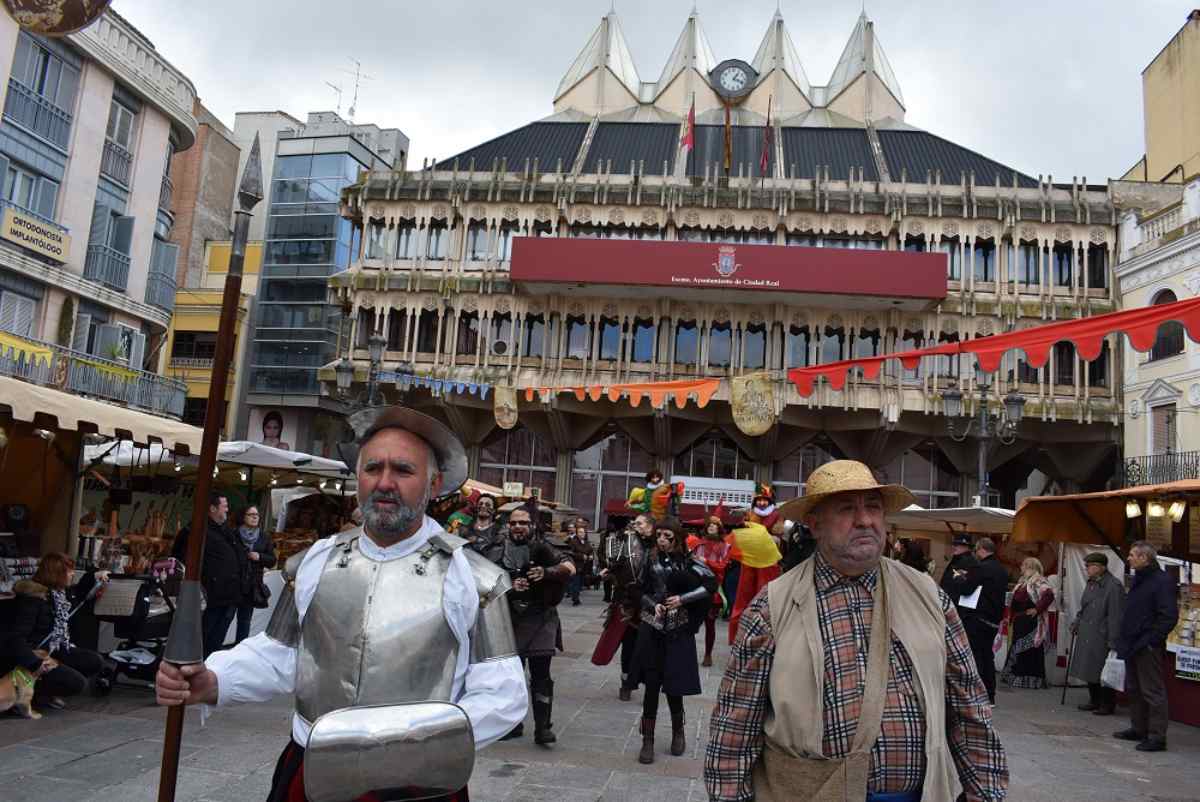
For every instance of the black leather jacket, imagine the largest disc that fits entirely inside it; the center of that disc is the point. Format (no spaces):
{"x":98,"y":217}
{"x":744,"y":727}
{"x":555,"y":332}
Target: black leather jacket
{"x":666,"y":575}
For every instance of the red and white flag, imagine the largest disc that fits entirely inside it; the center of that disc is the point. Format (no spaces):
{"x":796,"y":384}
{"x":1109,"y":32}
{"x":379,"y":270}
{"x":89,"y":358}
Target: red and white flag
{"x":688,"y":140}
{"x":764,"y":161}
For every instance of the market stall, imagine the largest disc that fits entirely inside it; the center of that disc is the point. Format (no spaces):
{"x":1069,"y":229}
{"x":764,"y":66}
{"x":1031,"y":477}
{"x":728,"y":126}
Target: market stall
{"x":935,"y":529}
{"x":1166,"y":515}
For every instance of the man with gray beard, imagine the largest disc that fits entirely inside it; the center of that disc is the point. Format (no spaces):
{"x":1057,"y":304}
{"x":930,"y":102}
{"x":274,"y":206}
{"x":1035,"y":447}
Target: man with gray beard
{"x":391,"y":612}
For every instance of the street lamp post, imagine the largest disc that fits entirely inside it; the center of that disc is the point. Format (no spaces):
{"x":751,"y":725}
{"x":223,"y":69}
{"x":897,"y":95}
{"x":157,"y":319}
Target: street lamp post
{"x":1002,"y":426}
{"x":343,"y":372}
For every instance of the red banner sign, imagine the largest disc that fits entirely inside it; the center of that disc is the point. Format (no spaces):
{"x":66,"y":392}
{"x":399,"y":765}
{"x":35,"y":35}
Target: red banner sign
{"x":683,"y":268}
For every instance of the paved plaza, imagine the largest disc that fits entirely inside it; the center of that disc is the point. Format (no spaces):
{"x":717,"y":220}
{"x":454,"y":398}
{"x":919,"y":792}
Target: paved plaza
{"x":108,"y":749}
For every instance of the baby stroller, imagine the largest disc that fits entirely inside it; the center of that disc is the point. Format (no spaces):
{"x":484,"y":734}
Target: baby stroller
{"x":140,"y":608}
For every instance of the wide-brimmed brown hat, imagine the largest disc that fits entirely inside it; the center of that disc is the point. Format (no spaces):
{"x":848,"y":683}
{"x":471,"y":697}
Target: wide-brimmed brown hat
{"x":449,"y":451}
{"x":844,"y":476}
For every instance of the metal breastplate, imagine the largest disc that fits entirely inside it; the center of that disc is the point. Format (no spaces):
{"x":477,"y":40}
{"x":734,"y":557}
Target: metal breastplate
{"x":375,"y":633}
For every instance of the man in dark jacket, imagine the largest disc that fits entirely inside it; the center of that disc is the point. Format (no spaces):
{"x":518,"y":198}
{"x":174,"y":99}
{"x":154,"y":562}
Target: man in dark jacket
{"x":222,"y":573}
{"x":1151,"y":611}
{"x":957,"y":581}
{"x":992,"y":579}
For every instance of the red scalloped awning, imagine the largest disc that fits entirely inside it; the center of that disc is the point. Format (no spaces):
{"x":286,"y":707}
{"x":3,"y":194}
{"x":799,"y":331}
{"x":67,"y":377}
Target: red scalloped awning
{"x":1087,"y":334}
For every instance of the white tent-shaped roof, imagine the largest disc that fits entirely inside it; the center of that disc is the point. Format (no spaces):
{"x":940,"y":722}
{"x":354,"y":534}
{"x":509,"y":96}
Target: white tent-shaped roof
{"x":973,"y":520}
{"x":778,"y":52}
{"x":692,"y":51}
{"x":605,"y":49}
{"x":863,"y":54}
{"x":234,"y":452}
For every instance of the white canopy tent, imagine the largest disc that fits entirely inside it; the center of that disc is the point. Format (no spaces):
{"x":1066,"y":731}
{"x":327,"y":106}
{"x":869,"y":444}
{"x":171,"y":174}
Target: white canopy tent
{"x":973,"y":520}
{"x":232,"y":452}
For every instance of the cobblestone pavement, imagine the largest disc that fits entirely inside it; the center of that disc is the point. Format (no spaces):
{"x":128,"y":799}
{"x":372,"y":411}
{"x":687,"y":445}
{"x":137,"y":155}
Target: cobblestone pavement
{"x":108,"y":749}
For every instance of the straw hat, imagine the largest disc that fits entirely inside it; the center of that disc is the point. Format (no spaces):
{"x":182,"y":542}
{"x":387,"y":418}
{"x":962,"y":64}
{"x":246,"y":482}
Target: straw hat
{"x":844,"y":476}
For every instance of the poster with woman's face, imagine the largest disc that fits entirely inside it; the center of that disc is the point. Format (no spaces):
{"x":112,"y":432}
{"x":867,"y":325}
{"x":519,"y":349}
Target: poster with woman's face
{"x":272,"y":427}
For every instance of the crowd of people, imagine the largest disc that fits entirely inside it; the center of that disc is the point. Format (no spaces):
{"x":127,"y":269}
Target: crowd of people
{"x":850,"y":676}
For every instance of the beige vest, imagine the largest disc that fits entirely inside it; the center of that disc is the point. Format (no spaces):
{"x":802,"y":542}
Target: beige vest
{"x":793,"y":765}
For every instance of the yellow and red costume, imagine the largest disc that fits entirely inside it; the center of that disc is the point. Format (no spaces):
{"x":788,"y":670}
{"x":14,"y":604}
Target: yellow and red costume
{"x":755,"y":549}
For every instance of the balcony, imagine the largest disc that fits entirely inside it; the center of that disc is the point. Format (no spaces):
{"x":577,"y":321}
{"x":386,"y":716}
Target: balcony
{"x":108,"y":266}
{"x":1157,"y":469}
{"x":160,"y":290}
{"x":164,"y":194}
{"x":116,"y":163}
{"x":50,"y":365}
{"x":32,"y":111}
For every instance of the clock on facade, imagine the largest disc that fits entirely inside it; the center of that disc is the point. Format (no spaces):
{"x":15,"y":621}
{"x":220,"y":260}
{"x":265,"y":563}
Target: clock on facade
{"x":733,"y":79}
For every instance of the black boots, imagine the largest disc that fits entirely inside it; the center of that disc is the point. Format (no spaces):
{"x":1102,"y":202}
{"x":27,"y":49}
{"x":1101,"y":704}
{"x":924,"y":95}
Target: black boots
{"x":647,"y":753}
{"x":626,"y":693}
{"x":543,"y":706}
{"x":678,"y":740}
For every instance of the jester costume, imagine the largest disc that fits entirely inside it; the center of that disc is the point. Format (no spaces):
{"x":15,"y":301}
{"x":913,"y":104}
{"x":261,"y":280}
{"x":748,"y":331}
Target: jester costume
{"x":655,"y":498}
{"x":755,"y":549}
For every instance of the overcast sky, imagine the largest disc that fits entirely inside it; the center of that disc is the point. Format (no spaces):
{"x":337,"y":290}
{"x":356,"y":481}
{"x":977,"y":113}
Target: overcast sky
{"x":1044,"y":87}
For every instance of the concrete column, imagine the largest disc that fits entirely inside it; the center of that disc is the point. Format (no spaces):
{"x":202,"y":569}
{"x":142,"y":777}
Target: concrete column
{"x":562,"y":476}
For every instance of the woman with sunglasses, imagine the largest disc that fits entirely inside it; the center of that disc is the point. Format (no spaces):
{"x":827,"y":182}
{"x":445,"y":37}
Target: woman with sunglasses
{"x":260,"y":556}
{"x":676,"y":594}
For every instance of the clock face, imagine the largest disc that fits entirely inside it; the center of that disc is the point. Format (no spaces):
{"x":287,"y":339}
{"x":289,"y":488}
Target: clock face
{"x":733,"y":79}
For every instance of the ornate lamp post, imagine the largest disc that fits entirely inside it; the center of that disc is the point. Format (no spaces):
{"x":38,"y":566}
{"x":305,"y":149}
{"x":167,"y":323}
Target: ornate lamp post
{"x":344,"y":374}
{"x":1002,"y":426}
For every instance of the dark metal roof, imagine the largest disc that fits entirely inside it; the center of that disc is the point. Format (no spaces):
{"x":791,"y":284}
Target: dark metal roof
{"x":625,"y":142}
{"x":710,"y":148}
{"x":546,"y":142}
{"x":841,"y":149}
{"x":919,"y":152}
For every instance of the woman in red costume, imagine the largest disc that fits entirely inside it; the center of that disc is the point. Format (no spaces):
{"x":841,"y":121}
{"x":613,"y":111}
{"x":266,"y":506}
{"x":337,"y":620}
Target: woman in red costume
{"x":755,"y":549}
{"x":714,"y":551}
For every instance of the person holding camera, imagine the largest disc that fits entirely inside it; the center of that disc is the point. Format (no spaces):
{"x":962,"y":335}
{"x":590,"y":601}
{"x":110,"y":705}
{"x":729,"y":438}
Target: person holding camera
{"x":539,"y":574}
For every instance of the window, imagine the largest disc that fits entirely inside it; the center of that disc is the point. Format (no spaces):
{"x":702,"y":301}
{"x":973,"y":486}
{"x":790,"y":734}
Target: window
{"x":949,"y":246}
{"x":644,"y":332}
{"x":376,"y":239}
{"x":801,"y":240}
{"x":690,"y":234}
{"x":477,"y":242}
{"x":397,"y":331}
{"x":610,"y":338}
{"x":911,"y":341}
{"x":508,"y":231}
{"x":120,"y":126}
{"x":715,"y":456}
{"x":687,"y":343}
{"x":1170,"y":334}
{"x":427,"y":331}
{"x":1027,"y":265}
{"x":796,"y":347}
{"x":866,"y":343}
{"x":439,"y":237}
{"x":579,"y":338}
{"x":194,"y":410}
{"x":38,"y":69}
{"x":789,"y":475}
{"x":468,"y":334}
{"x":535,"y":334}
{"x":914,"y":244}
{"x":1061,"y":263}
{"x":1064,"y":363}
{"x":720,"y":342}
{"x":985,"y":260}
{"x":1162,"y":429}
{"x":1098,"y":267}
{"x":605,"y":472}
{"x":16,"y":313}
{"x":928,"y":474}
{"x":1097,"y":369}
{"x":754,"y":347}
{"x":28,"y":190}
{"x":831,"y":345}
{"x":947,"y":365}
{"x":519,"y":456}
{"x":406,"y":240}
{"x":194,"y":345}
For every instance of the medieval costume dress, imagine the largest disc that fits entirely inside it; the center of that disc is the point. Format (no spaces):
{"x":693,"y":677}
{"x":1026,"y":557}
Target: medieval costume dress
{"x":535,"y":619}
{"x":1026,"y":663}
{"x":754,"y":548}
{"x":665,"y":657}
{"x":346,"y":591}
{"x":715,"y":555}
{"x":626,"y":555}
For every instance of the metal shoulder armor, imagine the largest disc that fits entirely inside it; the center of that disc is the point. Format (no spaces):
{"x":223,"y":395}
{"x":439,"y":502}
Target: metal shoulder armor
{"x":492,"y":636}
{"x":284,"y":626}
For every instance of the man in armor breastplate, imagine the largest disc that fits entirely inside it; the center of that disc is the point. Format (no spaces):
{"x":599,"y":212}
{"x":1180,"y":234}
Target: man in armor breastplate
{"x":626,"y":558}
{"x":539,"y":573}
{"x":393,"y":611}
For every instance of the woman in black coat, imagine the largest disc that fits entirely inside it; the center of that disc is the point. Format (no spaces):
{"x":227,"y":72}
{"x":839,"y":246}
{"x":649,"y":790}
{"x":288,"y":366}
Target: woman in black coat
{"x":260,"y":555}
{"x":677,"y":591}
{"x":38,"y":637}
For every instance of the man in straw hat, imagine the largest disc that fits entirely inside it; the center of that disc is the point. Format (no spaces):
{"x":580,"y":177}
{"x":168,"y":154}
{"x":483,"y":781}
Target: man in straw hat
{"x":900,"y":713}
{"x":430,"y":610}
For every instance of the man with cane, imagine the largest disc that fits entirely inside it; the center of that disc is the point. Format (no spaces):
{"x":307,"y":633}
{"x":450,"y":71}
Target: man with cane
{"x":1094,"y":633}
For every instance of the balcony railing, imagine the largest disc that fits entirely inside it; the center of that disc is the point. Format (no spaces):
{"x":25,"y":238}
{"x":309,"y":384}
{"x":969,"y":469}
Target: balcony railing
{"x":116,"y":163}
{"x":164,"y":193}
{"x":1156,"y":469}
{"x":192,"y":363}
{"x":160,"y":290}
{"x":50,"y":365}
{"x":108,"y":266}
{"x":30,"y":110}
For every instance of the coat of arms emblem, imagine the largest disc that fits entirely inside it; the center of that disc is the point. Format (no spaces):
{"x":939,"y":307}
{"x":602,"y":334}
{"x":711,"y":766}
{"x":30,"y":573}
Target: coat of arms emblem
{"x":726,"y":263}
{"x":752,"y":399}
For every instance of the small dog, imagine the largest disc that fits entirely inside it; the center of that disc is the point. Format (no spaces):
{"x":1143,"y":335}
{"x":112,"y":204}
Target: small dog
{"x":16,"y":693}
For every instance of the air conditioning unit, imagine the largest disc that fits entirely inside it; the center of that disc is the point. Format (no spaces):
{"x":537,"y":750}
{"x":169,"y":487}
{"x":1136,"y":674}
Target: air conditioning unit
{"x":500,"y":347}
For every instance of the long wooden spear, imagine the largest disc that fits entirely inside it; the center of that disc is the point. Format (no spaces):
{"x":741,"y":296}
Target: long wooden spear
{"x":185,"y":644}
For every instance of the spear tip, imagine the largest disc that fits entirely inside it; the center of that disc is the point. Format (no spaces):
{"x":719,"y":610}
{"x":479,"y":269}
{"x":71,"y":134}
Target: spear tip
{"x":250,"y":191}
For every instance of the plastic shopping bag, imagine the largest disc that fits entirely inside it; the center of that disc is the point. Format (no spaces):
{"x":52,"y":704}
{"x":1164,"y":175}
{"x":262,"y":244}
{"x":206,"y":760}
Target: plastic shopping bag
{"x":1113,"y":674}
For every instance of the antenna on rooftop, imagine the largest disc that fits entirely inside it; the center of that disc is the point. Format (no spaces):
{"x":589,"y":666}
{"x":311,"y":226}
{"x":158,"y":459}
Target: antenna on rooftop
{"x":359,"y":77}
{"x":338,"y":90}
